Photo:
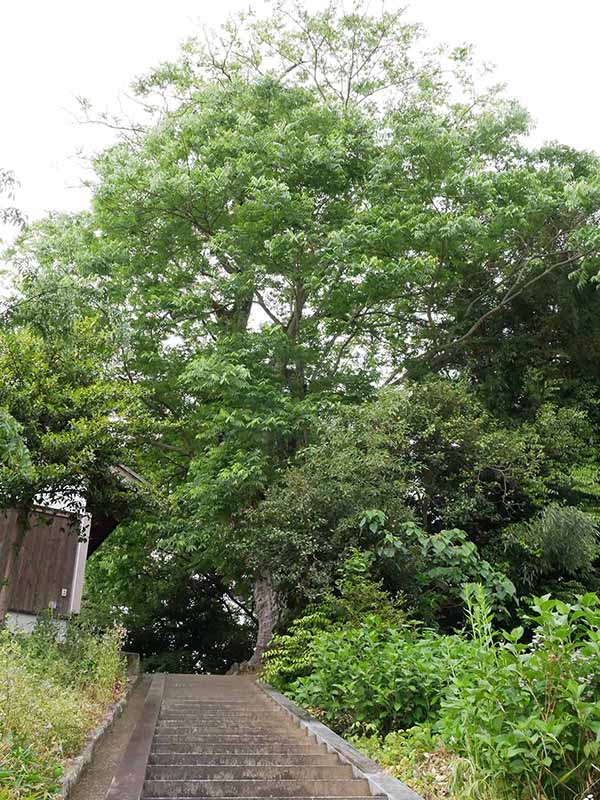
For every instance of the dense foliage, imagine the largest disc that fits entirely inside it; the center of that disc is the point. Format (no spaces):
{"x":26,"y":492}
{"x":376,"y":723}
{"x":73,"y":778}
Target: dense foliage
{"x":519,"y":715}
{"x":414,"y":464}
{"x":51,"y":695}
{"x":177,"y":619}
{"x":64,"y":421}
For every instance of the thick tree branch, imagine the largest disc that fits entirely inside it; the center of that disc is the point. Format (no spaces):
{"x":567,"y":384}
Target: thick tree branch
{"x":267,"y":310}
{"x":515,"y":291}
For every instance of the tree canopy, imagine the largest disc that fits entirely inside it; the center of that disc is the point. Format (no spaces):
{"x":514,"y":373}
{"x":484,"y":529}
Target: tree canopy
{"x":326,"y":275}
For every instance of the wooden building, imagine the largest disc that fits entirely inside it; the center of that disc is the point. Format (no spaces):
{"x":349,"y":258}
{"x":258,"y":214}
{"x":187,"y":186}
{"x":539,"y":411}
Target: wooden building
{"x":43,"y":557}
{"x":42,"y":564}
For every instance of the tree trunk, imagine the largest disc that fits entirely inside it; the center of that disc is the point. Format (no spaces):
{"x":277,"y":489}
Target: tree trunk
{"x":267,"y":609}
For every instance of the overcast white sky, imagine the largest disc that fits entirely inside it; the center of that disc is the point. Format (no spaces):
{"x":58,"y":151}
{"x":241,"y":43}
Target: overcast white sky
{"x":51,"y":51}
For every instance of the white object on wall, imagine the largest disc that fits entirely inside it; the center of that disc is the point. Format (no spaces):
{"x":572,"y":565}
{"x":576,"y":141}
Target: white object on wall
{"x":19,"y":622}
{"x":80,"y":559}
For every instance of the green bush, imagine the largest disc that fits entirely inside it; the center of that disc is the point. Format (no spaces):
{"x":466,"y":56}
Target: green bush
{"x":355,"y":594}
{"x":373,"y":677}
{"x":416,"y":756}
{"x":489,"y":715}
{"x":51,"y":695}
{"x":526,"y":716}
{"x":441,"y":564}
{"x":290,"y":654}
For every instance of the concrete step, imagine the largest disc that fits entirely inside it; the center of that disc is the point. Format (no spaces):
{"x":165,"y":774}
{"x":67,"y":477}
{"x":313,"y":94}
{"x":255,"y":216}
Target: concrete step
{"x":216,"y":706}
{"x":218,"y":722}
{"x":185,"y":772}
{"x":229,"y":730}
{"x":222,"y":699}
{"x":251,"y":701}
{"x":224,"y":738}
{"x":209,"y":716}
{"x":227,"y":700}
{"x":253,"y":748}
{"x":266,"y":748}
{"x":214,"y":720}
{"x":250,"y":705}
{"x":245,"y":759}
{"x":255,"y":788}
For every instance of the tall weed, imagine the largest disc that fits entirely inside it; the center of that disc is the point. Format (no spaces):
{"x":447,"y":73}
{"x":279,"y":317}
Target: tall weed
{"x":526,"y":714}
{"x":51,"y":695}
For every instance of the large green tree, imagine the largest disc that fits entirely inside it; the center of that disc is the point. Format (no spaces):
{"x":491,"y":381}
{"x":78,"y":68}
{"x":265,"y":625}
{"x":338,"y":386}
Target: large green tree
{"x":316,"y":207}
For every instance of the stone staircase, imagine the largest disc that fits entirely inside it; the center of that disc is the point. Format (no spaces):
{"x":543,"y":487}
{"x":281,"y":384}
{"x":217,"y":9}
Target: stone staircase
{"x":222,"y":737}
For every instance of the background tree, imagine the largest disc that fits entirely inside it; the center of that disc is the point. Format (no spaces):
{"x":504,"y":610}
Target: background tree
{"x":178,"y":618}
{"x":73,"y":419}
{"x":431,"y":454}
{"x":64,"y":425}
{"x":9,"y":215}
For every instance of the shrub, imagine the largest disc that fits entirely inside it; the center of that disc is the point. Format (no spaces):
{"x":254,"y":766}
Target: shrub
{"x":373,"y":677}
{"x":356,"y":594}
{"x":415,"y":756}
{"x":514,"y":714}
{"x":442,"y":563}
{"x":51,"y":695}
{"x":290,"y":655}
{"x":557,"y":547}
{"x":526,"y":716}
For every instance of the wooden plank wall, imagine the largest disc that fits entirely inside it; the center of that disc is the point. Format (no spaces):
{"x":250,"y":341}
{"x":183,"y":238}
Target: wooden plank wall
{"x":46,"y":562}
